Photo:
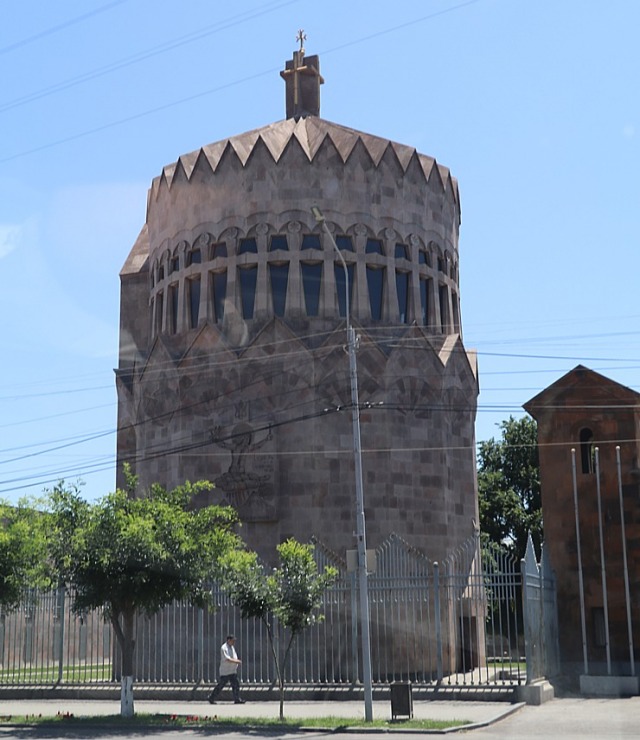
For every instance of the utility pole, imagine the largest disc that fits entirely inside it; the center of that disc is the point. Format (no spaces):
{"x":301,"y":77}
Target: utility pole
{"x":361,"y":536}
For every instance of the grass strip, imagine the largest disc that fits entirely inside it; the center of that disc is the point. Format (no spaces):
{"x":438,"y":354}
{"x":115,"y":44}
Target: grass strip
{"x":237,"y":723}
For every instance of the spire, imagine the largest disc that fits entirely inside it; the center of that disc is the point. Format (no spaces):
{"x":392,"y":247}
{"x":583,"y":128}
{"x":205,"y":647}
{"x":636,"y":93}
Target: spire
{"x":302,"y":82}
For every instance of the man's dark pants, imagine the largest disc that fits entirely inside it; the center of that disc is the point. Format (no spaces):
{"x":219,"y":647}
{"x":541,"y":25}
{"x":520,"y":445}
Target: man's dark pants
{"x":232,"y":678}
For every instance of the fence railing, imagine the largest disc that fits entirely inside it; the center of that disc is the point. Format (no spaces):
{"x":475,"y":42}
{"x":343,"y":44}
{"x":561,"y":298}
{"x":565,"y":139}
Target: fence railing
{"x":459,"y":623}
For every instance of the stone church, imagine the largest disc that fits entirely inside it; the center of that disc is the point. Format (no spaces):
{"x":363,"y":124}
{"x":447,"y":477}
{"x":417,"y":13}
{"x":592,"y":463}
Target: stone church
{"x":232,"y":362}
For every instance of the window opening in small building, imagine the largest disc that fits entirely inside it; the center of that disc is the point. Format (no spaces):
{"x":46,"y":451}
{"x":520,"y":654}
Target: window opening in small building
{"x":279,"y":274}
{"x":248,"y":279}
{"x":587,"y":451}
{"x":311,"y":281}
{"x":373,"y":246}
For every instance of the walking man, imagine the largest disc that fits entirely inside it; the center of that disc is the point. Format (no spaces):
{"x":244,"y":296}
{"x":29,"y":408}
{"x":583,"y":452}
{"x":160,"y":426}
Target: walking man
{"x":229,"y":664}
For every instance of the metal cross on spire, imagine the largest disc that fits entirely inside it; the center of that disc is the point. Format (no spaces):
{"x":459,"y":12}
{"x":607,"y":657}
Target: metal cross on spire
{"x":301,"y":38}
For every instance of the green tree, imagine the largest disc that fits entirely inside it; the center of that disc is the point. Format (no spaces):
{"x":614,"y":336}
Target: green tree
{"x":509,"y":486}
{"x":23,"y":551}
{"x":129,"y":555}
{"x":292,"y":593}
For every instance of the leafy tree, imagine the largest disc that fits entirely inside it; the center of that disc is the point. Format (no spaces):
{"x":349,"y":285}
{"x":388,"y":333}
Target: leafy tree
{"x":127,"y":555}
{"x":292,"y":592}
{"x":509,"y":486}
{"x":23,"y":551}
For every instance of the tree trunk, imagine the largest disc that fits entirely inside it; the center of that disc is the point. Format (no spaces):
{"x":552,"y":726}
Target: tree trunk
{"x":126,"y":642}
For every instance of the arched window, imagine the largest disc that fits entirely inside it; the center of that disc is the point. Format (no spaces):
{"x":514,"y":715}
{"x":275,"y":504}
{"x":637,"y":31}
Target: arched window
{"x":344,"y":242}
{"x":375,"y":283}
{"x":174,"y":265}
{"x":218,"y":294}
{"x":194,"y":301}
{"x":194,"y":257}
{"x":278,"y":241}
{"x":279,"y":274}
{"x":424,"y":300}
{"x":311,"y":280}
{"x":373,"y":246}
{"x":218,"y":250}
{"x":311,"y":241}
{"x":340,"y":286}
{"x":248,"y":278}
{"x":587,"y":450}
{"x":402,"y":289}
{"x":401,"y":252}
{"x":248,"y":246}
{"x":173,"y":306}
{"x":161,"y":272}
{"x":159,"y":311}
{"x":443,"y":295}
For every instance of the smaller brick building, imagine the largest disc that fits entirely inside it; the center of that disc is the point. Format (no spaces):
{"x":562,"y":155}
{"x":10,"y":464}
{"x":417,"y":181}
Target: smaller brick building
{"x":585,"y":411}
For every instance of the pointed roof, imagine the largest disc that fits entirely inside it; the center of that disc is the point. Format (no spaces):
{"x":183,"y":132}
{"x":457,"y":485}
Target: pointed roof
{"x":586,"y":383}
{"x":310,"y":132}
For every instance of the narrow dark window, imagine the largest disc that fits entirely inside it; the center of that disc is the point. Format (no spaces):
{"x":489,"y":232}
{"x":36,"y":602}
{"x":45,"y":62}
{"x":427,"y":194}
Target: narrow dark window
{"x":278,"y":241}
{"x":194,"y":257}
{"x":444,"y":308}
{"x":218,"y":250}
{"x":456,"y":313}
{"x":401,"y":252}
{"x":248,"y":278}
{"x":248,"y":246}
{"x":344,"y":242}
{"x":161,"y":273}
{"x":587,"y":451}
{"x":175,"y":264}
{"x":373,"y":246}
{"x":218,"y":293}
{"x":424,"y":301}
{"x":440,"y":264}
{"x":311,"y":281}
{"x":423,"y":258}
{"x":340,"y":287}
{"x":159,"y":311}
{"x":173,"y":299}
{"x":152,"y":279}
{"x":194,"y":301}
{"x":402,"y":289}
{"x":375,"y":283}
{"x":279,"y":275}
{"x":311,"y":241}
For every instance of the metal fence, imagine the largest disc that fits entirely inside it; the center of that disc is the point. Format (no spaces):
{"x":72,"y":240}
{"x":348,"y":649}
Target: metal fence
{"x":456,"y":623}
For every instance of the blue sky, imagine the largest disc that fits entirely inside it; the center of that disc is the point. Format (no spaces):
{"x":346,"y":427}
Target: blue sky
{"x":532,"y":105}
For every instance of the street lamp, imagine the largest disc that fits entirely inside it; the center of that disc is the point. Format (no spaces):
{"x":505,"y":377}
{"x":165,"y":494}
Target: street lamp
{"x":361,"y":536}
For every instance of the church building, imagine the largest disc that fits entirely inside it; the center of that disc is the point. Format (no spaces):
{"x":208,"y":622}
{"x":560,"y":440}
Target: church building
{"x":232,"y":363}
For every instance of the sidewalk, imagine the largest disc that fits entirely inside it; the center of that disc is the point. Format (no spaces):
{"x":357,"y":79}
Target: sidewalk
{"x":475,"y":712}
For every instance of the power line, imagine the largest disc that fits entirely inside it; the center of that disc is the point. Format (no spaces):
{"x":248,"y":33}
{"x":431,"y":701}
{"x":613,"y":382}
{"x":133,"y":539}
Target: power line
{"x":59,"y":27}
